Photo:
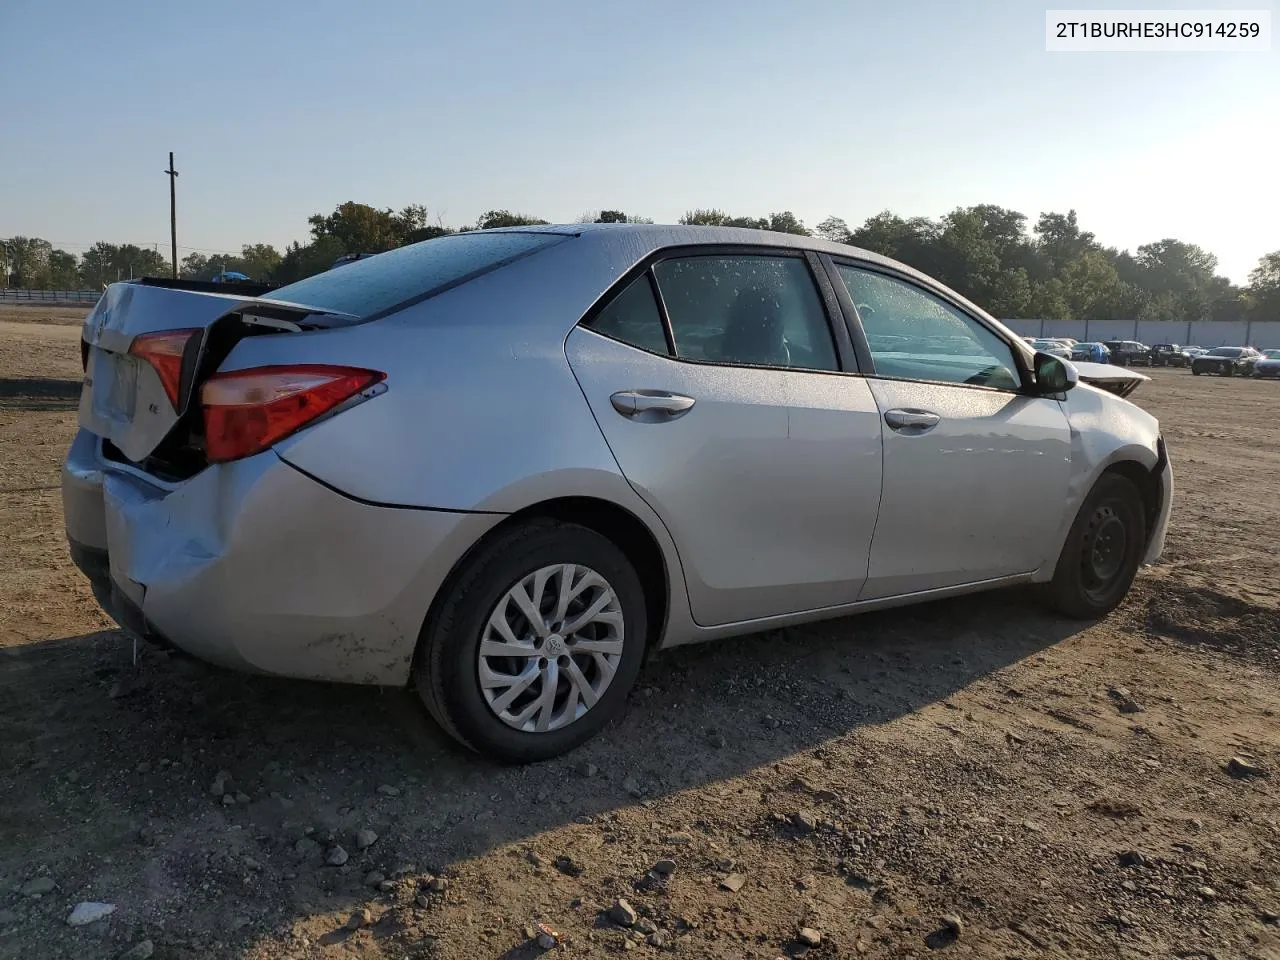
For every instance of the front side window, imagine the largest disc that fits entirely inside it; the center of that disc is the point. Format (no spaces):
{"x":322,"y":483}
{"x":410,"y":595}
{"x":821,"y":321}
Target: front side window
{"x":756,"y":310}
{"x":914,"y":335}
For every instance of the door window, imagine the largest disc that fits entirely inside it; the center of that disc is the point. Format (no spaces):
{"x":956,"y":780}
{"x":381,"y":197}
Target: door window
{"x":632,"y":317}
{"x":756,"y":310}
{"x":914,"y":335}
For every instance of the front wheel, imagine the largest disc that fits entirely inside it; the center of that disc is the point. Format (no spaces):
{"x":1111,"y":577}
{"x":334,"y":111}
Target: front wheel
{"x":1103,"y":551}
{"x":535,"y":643}
{"x":1195,"y":371}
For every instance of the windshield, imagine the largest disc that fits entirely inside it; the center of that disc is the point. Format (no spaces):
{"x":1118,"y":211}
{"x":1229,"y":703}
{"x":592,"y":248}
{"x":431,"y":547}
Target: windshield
{"x":1271,"y":354}
{"x":375,"y":286}
{"x":1225,"y":352}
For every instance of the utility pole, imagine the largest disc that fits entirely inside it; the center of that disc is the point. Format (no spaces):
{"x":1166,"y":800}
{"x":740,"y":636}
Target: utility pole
{"x":173,"y":212}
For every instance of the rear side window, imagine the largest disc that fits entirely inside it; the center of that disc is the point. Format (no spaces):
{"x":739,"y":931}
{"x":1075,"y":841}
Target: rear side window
{"x":377,"y":285}
{"x":632,"y":317}
{"x":757,"y":310}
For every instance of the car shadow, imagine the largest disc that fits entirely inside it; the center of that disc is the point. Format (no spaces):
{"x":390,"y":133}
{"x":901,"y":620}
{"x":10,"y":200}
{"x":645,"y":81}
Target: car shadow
{"x":39,"y":393}
{"x":96,"y":745}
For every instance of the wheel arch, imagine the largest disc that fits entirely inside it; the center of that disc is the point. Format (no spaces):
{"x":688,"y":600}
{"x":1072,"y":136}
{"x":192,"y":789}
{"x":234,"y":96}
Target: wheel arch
{"x":1147,"y":480}
{"x":614,"y":522}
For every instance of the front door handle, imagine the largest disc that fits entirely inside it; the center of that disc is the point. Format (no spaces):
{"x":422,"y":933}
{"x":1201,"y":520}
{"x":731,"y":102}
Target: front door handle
{"x":651,"y":406}
{"x":911,"y":421}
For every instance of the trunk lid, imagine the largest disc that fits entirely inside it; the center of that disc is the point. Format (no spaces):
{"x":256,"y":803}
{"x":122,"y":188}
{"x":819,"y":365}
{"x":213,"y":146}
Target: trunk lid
{"x":123,"y":399}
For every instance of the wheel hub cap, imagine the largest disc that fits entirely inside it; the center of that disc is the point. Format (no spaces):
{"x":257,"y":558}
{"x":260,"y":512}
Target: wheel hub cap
{"x":550,"y":647}
{"x":1106,"y":545}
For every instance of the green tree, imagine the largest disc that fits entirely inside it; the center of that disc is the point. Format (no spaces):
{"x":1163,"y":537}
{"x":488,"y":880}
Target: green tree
{"x":612,"y":216}
{"x":1049,"y":301}
{"x":913,"y":241}
{"x":833,"y":229}
{"x":301,"y":261}
{"x":1182,"y":276}
{"x":786,"y":222}
{"x":28,"y":261}
{"x":258,"y":260}
{"x":1060,"y":240}
{"x":195,"y":266}
{"x":1091,"y":286}
{"x":1262,"y":297}
{"x":63,"y":270}
{"x":359,"y":228}
{"x":505,"y":218}
{"x":718,"y":218}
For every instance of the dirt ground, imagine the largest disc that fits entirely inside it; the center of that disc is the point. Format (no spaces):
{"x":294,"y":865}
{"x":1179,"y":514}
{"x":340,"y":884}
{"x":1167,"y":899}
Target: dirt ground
{"x":39,"y":313}
{"x":972,"y":778}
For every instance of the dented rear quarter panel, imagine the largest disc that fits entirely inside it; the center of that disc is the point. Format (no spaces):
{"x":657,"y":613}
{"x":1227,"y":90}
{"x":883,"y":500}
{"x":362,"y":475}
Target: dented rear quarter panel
{"x":275,"y":573}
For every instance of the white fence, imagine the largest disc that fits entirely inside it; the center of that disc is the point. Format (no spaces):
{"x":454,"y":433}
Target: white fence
{"x":1263,"y":334}
{"x":14,"y":295}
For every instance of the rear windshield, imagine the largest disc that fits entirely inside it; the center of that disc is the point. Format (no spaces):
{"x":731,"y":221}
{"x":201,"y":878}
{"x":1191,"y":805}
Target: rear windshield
{"x":378,"y":285}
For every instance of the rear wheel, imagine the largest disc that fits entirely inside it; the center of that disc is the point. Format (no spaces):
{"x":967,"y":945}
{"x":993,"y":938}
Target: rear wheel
{"x":535,"y":644}
{"x":1102,"y":552}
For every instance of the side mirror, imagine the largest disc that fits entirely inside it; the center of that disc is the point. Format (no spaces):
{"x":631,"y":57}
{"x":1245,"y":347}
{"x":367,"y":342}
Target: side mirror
{"x":1053,"y":374}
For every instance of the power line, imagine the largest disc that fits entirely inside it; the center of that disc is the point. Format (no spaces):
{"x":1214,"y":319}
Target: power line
{"x":63,"y":244}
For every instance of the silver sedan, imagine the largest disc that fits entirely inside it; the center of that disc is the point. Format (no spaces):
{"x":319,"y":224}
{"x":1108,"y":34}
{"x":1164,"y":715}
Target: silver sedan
{"x":502,"y":467}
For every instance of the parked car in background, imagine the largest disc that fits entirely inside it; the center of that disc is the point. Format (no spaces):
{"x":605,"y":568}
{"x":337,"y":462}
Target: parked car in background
{"x":1067,"y":341}
{"x":1184,"y":356}
{"x":1129,"y":353}
{"x":733,"y":431}
{"x":1091,"y":352}
{"x":1052,"y":347}
{"x":1163,"y":354}
{"x":1225,"y":361}
{"x":1267,"y":365}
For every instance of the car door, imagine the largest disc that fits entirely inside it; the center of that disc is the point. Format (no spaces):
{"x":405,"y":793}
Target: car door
{"x":975,"y":471}
{"x":730,"y":409}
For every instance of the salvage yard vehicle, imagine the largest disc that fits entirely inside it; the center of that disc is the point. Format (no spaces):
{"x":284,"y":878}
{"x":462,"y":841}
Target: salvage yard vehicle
{"x":1184,"y":356}
{"x":1091,"y":352}
{"x":503,"y":466}
{"x":1129,"y":353}
{"x":1267,"y":365}
{"x":1225,"y":361}
{"x":1054,"y":348}
{"x":1163,"y":354}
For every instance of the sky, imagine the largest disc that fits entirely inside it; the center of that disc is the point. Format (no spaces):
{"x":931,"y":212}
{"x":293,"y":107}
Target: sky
{"x":279,"y":109}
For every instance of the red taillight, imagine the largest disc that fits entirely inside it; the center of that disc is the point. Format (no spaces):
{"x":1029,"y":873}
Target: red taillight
{"x":246,"y":411}
{"x":163,"y":351}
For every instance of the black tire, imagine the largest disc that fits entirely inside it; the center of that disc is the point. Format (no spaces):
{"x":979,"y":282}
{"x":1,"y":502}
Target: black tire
{"x":1089,"y":584}
{"x":445,"y":670}
{"x":1195,"y":372}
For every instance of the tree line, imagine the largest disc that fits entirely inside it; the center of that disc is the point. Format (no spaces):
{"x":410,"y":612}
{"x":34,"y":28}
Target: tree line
{"x":1051,"y":269}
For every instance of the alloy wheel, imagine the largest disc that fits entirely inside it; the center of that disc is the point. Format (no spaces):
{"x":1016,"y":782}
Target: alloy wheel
{"x":550,"y":647}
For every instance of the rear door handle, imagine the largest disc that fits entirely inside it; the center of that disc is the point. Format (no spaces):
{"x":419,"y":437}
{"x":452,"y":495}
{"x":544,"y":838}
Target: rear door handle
{"x":911,"y":421}
{"x":651,"y":406}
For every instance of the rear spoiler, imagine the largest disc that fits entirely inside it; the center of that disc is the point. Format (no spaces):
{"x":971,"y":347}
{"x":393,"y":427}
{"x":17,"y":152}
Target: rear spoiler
{"x":242,"y":288}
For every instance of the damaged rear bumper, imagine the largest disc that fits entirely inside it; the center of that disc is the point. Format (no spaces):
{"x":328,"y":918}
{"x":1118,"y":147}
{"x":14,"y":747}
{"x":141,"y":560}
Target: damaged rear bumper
{"x":255,"y":566}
